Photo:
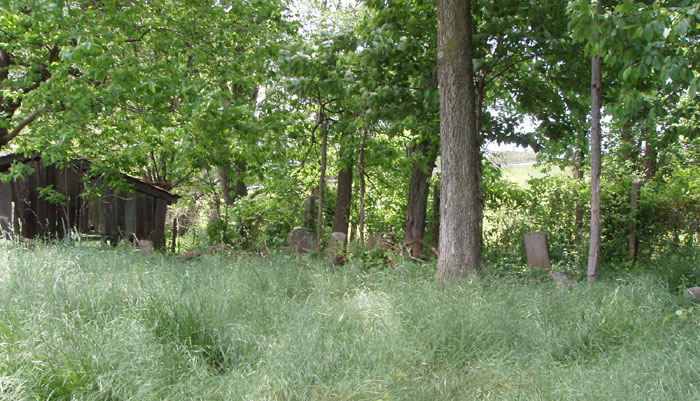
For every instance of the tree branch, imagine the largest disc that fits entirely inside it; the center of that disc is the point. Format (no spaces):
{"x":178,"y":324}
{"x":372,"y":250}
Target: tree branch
{"x":28,"y":120}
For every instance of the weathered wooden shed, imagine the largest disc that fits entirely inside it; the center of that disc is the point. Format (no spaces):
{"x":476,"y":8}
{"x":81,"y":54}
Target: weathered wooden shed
{"x":112,"y":215}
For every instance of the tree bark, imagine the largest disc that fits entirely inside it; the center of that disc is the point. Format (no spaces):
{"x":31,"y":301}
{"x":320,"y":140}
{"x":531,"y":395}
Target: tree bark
{"x":225,"y":181}
{"x":596,"y":99}
{"x":578,"y":208}
{"x":343,"y":201}
{"x":650,"y":161}
{"x":322,"y":180}
{"x":634,"y":197}
{"x":460,"y":223}
{"x":435,"y":224}
{"x":173,"y":244}
{"x":361,"y":172}
{"x":240,"y":188}
{"x":418,"y":191}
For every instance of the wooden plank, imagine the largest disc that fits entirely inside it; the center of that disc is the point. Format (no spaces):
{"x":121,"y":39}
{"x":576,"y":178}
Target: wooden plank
{"x":158,"y":236}
{"x":131,"y":216}
{"x":5,"y":208}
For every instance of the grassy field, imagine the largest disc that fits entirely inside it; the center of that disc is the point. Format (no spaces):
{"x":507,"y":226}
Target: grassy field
{"x":89,"y":323}
{"x":521,"y":173}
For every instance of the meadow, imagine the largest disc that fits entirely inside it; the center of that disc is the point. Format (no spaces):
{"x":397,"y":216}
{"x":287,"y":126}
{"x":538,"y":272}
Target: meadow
{"x":97,"y":323}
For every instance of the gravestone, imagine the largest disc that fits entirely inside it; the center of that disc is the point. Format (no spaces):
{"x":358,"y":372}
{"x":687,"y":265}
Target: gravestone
{"x":336,"y":244}
{"x":537,"y":250}
{"x":693,"y":293}
{"x":301,"y":239}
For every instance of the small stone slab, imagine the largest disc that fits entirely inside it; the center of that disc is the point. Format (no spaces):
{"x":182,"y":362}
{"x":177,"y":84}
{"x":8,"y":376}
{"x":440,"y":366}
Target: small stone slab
{"x":336,"y":244}
{"x":693,"y":293}
{"x":537,"y":250}
{"x":301,"y":239}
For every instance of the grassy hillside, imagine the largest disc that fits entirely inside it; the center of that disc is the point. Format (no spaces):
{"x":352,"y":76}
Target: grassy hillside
{"x":521,"y":173}
{"x":103,"y":324}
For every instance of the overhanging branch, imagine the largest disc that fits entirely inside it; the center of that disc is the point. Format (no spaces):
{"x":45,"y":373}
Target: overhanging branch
{"x":22,"y":124}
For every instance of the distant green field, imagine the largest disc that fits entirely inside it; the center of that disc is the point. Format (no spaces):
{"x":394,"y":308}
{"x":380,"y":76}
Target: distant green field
{"x":103,"y":324}
{"x":521,"y":173}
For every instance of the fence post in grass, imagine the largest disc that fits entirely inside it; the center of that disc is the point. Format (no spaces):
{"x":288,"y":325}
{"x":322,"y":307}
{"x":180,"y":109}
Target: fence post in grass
{"x":537,"y":250}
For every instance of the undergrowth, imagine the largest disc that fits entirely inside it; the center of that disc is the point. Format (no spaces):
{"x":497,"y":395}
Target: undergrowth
{"x":104,"y":324}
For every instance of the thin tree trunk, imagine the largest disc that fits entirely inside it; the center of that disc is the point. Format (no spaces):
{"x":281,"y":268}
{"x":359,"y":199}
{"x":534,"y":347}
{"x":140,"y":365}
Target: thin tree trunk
{"x":650,"y":161}
{"x":361,"y":172}
{"x":634,"y":197}
{"x":173,"y":245}
{"x":578,"y":208}
{"x":435,"y":225}
{"x":418,"y":197}
{"x":344,"y":198}
{"x":322,"y":180}
{"x":240,"y":188}
{"x":225,"y":181}
{"x":460,"y":224}
{"x":596,"y":99}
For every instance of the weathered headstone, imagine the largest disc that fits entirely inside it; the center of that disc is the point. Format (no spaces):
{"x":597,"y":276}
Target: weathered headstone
{"x":693,"y":293}
{"x":374,"y":241}
{"x":537,"y":250}
{"x":301,"y":239}
{"x":336,"y":244}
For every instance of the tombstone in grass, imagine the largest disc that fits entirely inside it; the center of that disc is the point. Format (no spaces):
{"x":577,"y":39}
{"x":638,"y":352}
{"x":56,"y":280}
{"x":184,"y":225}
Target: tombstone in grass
{"x":693,"y":293}
{"x":537,"y":250}
{"x":301,"y":240}
{"x":336,"y":248}
{"x":336,"y":244}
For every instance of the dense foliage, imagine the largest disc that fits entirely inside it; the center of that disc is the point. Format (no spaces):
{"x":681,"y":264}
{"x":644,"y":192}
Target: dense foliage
{"x":233,"y":104}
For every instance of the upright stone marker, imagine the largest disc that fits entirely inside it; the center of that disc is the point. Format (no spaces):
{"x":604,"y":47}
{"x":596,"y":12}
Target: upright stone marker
{"x":301,"y":239}
{"x":336,"y":244}
{"x":537,"y":250}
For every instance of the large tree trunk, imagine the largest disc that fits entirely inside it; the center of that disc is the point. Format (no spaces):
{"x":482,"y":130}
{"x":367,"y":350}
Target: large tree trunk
{"x":596,"y":99}
{"x":418,"y":191}
{"x":460,"y":206}
{"x":343,"y":201}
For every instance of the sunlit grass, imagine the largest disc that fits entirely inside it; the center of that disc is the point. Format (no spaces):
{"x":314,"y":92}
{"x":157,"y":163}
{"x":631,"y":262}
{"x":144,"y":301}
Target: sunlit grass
{"x":520,"y":174}
{"x":104,"y":324}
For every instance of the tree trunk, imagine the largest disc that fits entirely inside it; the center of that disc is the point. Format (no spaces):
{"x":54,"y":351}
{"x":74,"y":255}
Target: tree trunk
{"x":418,"y":196}
{"x":650,"y":161}
{"x":596,"y":99}
{"x":240,"y":188}
{"x":460,"y":224}
{"x":225,"y":181}
{"x":435,"y":224}
{"x":173,"y":244}
{"x":322,"y":180}
{"x":361,"y":172}
{"x":344,"y":198}
{"x":578,"y":208}
{"x":634,"y":197}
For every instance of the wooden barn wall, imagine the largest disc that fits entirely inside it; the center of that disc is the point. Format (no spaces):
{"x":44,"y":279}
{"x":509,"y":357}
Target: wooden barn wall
{"x":129,"y":216}
{"x":5,"y":208}
{"x":113,"y":216}
{"x":40,"y":216}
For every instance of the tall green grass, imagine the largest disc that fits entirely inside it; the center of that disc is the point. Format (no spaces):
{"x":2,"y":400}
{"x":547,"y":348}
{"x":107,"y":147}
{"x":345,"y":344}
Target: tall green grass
{"x":103,"y":324}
